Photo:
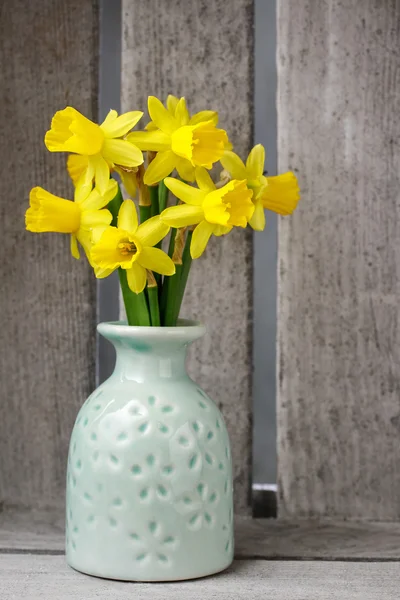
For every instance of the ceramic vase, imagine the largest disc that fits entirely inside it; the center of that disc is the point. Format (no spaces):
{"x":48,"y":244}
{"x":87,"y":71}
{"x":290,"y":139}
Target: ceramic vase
{"x":149,"y":482}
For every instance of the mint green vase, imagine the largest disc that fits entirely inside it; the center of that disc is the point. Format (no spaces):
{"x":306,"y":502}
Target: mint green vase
{"x":149,"y":482}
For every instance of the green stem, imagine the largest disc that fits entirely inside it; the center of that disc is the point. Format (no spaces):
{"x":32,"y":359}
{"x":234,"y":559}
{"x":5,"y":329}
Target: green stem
{"x":166,"y":281}
{"x":186,"y":264}
{"x":172,"y":296}
{"x":172,"y":242}
{"x":130,"y":300}
{"x":143,"y":310}
{"x":136,"y":309}
{"x":154,"y":200}
{"x":114,"y":206}
{"x":162,"y":196}
{"x":144,"y":212}
{"x":152,"y":293}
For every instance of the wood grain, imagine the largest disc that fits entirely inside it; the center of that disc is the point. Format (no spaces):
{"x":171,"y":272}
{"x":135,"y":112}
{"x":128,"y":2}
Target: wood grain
{"x":49,"y":578}
{"x":204,"y":51}
{"x":269,"y":539}
{"x":48,"y":59}
{"x":339,"y":340}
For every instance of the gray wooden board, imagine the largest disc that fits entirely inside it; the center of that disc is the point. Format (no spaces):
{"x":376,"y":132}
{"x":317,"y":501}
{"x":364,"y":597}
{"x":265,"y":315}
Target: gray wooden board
{"x":261,"y":538}
{"x":204,"y":51}
{"x":326,"y":540}
{"x":33,"y":530}
{"x":48,"y":59}
{"x":48,"y":578}
{"x":339,"y":261}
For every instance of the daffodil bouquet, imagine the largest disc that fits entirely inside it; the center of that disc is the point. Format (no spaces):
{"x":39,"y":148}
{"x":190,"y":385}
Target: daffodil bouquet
{"x":174,"y":191}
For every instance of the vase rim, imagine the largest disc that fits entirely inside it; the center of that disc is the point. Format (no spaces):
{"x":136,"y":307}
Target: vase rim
{"x":185,"y":330}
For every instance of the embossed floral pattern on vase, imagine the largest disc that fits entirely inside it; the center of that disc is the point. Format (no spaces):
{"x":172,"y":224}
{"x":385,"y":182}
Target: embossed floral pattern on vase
{"x":149,"y":490}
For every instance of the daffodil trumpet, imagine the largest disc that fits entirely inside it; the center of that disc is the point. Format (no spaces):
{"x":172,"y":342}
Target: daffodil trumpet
{"x":118,"y":235}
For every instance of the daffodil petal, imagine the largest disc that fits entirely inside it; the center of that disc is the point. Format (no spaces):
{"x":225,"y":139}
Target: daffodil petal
{"x":222,"y":229}
{"x":200,"y":238}
{"x":255,"y":162}
{"x":185,"y":169}
{"x":84,"y":185}
{"x":204,"y":115}
{"x":84,"y":237}
{"x":137,"y":278}
{"x":204,"y":180}
{"x":76,"y":166}
{"x":122,"y":152}
{"x":96,"y":233}
{"x":151,"y":126}
{"x":101,"y":174}
{"x":182,"y":216}
{"x":160,"y":167}
{"x":234,"y":165}
{"x":172,"y":101}
{"x":152,"y":231}
{"x":127,"y":216}
{"x":150,"y":140}
{"x":183,"y":191}
{"x":181,"y":112}
{"x":156,"y":260}
{"x":257,"y":221}
{"x":74,"y":247}
{"x":94,"y":200}
{"x":83,"y":189}
{"x":120,"y":126}
{"x":105,"y":253}
{"x":111,"y":116}
{"x":161,"y":116}
{"x":95,"y":218}
{"x":109,"y":194}
{"x":101,"y":273}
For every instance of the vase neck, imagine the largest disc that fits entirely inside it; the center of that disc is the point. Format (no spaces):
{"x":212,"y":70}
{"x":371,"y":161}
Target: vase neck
{"x":134,"y":364}
{"x":149,"y":353}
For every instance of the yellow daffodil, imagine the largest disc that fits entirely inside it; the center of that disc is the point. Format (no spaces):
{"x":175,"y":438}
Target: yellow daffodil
{"x":181,"y":142}
{"x":77,"y":165}
{"x":52,"y":213}
{"x":102,"y":145}
{"x":130,"y":246}
{"x":213,"y":211}
{"x":279,"y":193}
{"x":183,"y":116}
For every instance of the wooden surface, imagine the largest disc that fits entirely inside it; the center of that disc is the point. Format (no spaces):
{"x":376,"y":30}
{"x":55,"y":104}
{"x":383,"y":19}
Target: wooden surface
{"x":204,"y":51}
{"x":366,"y":563}
{"x":49,"y":578}
{"x":39,"y":531}
{"x":48,"y":59}
{"x":338,"y":309}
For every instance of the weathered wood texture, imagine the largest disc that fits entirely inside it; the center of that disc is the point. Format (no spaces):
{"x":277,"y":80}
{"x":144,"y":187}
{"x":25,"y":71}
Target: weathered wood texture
{"x":322,"y":540}
{"x":32,"y":530}
{"x":49,"y":578}
{"x":43,"y":532}
{"x":204,"y":51}
{"x":48,"y":59}
{"x":339,"y":340}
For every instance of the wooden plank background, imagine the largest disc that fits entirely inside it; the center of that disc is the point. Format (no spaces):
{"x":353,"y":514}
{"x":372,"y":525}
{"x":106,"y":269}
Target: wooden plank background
{"x":48,"y":59}
{"x":204,"y":51}
{"x":339,"y":261}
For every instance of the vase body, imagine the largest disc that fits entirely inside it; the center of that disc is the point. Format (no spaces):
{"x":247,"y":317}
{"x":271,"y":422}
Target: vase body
{"x":149,"y":482}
